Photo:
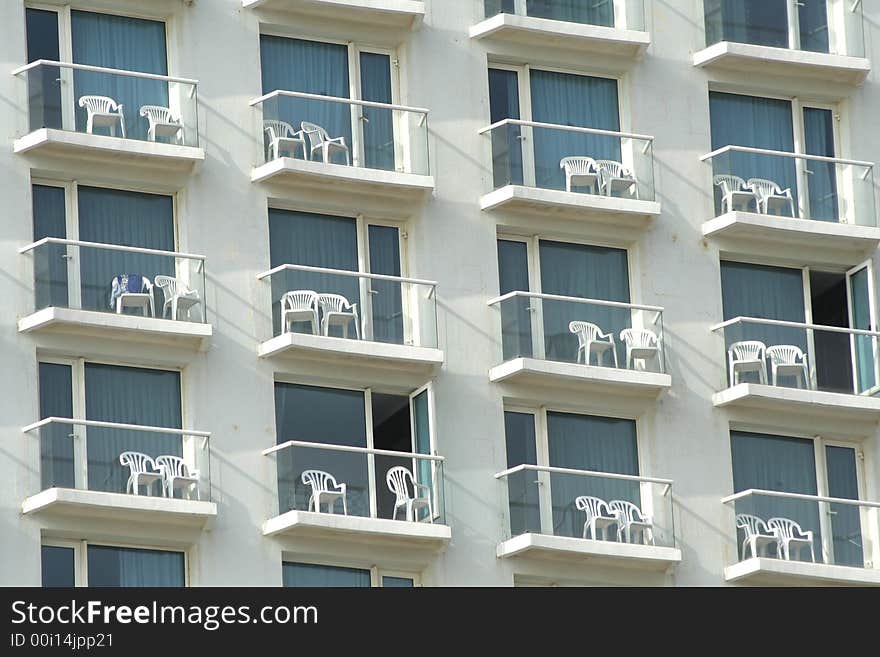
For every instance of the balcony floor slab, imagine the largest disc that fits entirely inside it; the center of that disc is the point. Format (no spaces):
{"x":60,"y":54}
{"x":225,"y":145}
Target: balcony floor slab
{"x":391,"y":14}
{"x":779,"y":399}
{"x":580,"y":550}
{"x":763,"y":571}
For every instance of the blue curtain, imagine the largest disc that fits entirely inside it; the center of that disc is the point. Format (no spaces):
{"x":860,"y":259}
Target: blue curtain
{"x":128,"y":44}
{"x":516,"y":318}
{"x":507,"y":165}
{"x":57,"y":566}
{"x":589,"y":272}
{"x":112,"y":216}
{"x":313,"y":575}
{"x":760,"y":22}
{"x":813,"y":25}
{"x":56,"y":445}
{"x":133,"y":567}
{"x":315,"y":240}
{"x":327,"y":416}
{"x":44,"y":88}
{"x":846,"y":525}
{"x":767,"y":293}
{"x":130,"y":395}
{"x":378,"y":123}
{"x":389,"y":582}
{"x":387,"y":302}
{"x":519,"y":435}
{"x":822,"y":181}
{"x":310,"y":67}
{"x":494,"y":7}
{"x":755,"y":122}
{"x":777,"y":463}
{"x":50,"y":267}
{"x":572,"y":100}
{"x":599,"y":444}
{"x":422,"y":441}
{"x":592,"y":12}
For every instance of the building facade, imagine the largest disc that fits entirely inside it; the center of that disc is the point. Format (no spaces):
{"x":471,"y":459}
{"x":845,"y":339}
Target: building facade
{"x":460,"y":293}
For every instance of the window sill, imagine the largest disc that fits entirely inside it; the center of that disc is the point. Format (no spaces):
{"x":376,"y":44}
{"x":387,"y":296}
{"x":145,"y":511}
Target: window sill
{"x":816,"y":403}
{"x":758,"y":570}
{"x":394,"y":14}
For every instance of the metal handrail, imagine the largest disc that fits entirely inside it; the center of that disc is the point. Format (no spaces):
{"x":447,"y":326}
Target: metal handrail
{"x":103,"y":69}
{"x":560,"y":297}
{"x":798,"y":496}
{"x":350,"y":448}
{"x":346,"y":272}
{"x":585,"y":473}
{"x":797,"y":156}
{"x":109,"y":247}
{"x":114,"y":425}
{"x":337,"y":99}
{"x":569,"y":128}
{"x":780,"y":322}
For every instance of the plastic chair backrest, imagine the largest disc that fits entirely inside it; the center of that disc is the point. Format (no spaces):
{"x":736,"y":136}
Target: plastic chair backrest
{"x":173,"y":466}
{"x":628,"y":510}
{"x":137,"y":462}
{"x":397,"y":479}
{"x":158,"y":114}
{"x":334,"y":303}
{"x":98,"y":104}
{"x":639,"y":338}
{"x":764,"y":187}
{"x":578,"y":166}
{"x":785,"y":527}
{"x":748,"y":350}
{"x":319,"y":480}
{"x":752,"y":525}
{"x":299,"y":300}
{"x":593,"y":507}
{"x":785,"y":354}
{"x":729,"y":183}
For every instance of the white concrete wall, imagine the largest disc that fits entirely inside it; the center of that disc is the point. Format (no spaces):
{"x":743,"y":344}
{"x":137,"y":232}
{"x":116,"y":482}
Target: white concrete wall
{"x":223,"y":215}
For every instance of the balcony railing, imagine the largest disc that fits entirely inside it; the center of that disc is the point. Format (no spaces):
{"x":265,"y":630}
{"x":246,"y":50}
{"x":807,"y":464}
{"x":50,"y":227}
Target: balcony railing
{"x":117,"y":279}
{"x":351,"y":304}
{"x":574,"y":159}
{"x":105,"y":101}
{"x":96,"y":456}
{"x":365,"y":482}
{"x":575,"y":330}
{"x":830,"y":530}
{"x":795,"y":354}
{"x":792,"y":185}
{"x":622,"y":14}
{"x":561,"y":502}
{"x":331,"y":130}
{"x":835,"y":27}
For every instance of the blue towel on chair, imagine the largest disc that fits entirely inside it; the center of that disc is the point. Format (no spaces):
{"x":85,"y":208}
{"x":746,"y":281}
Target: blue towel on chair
{"x":132,"y":283}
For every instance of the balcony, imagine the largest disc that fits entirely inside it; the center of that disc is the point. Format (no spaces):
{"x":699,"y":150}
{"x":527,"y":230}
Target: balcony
{"x":343,"y":151}
{"x":585,"y":345}
{"x":586,"y":174}
{"x":826,"y":371}
{"x":372,"y":323}
{"x":820,"y":208}
{"x":612,"y":28}
{"x":361,"y":506}
{"x":550,"y":511}
{"x":387,"y":14}
{"x":820,"y":41}
{"x":835,"y":539}
{"x":81,"y":113}
{"x":118,"y":292}
{"x":82,"y":475}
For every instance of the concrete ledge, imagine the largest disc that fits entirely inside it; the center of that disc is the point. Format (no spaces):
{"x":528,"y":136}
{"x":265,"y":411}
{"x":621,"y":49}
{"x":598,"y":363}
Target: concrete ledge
{"x":110,"y":150}
{"x":543,"y":32}
{"x":398,"y":14}
{"x":416,"y":536}
{"x":571,"y":205}
{"x":132,"y":328}
{"x":579,"y":550}
{"x":780,"y":399}
{"x":120,"y":506}
{"x":761,"y":570}
{"x":767,"y":60}
{"x":573,"y":375}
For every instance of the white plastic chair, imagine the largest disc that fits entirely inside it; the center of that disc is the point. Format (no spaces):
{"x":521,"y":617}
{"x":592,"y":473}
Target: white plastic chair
{"x":126,"y":299}
{"x":599,"y":516}
{"x":591,"y":340}
{"x":299,"y":306}
{"x":617,"y":179}
{"x":734,"y":195}
{"x":747,"y":356}
{"x":142,"y":471}
{"x":283,"y":138}
{"x":103,"y":112}
{"x":631,"y":520}
{"x":789,"y":534}
{"x":400,"y":481}
{"x":788,"y":360}
{"x":177,"y":474}
{"x":771,"y":196}
{"x":178,"y":297}
{"x":320,"y":140}
{"x":580,"y":172}
{"x":641,"y":344}
{"x":757,"y":535}
{"x":163,"y":123}
{"x":337,"y":311}
{"x":325,"y":489}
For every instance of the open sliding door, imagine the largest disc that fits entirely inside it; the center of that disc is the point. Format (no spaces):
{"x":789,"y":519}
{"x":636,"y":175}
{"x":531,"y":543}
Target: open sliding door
{"x":863,"y":316}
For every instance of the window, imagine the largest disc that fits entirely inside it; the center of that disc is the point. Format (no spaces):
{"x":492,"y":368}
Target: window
{"x":107,"y":393}
{"x":540,"y":327}
{"x":79,"y":563}
{"x":808,"y":466}
{"x":602,"y":13}
{"x":575,"y":442}
{"x":796,"y":24}
{"x":839,"y":362}
{"x":347,"y":244}
{"x":298,"y":574}
{"x":331,"y":417}
{"x":553,"y":97}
